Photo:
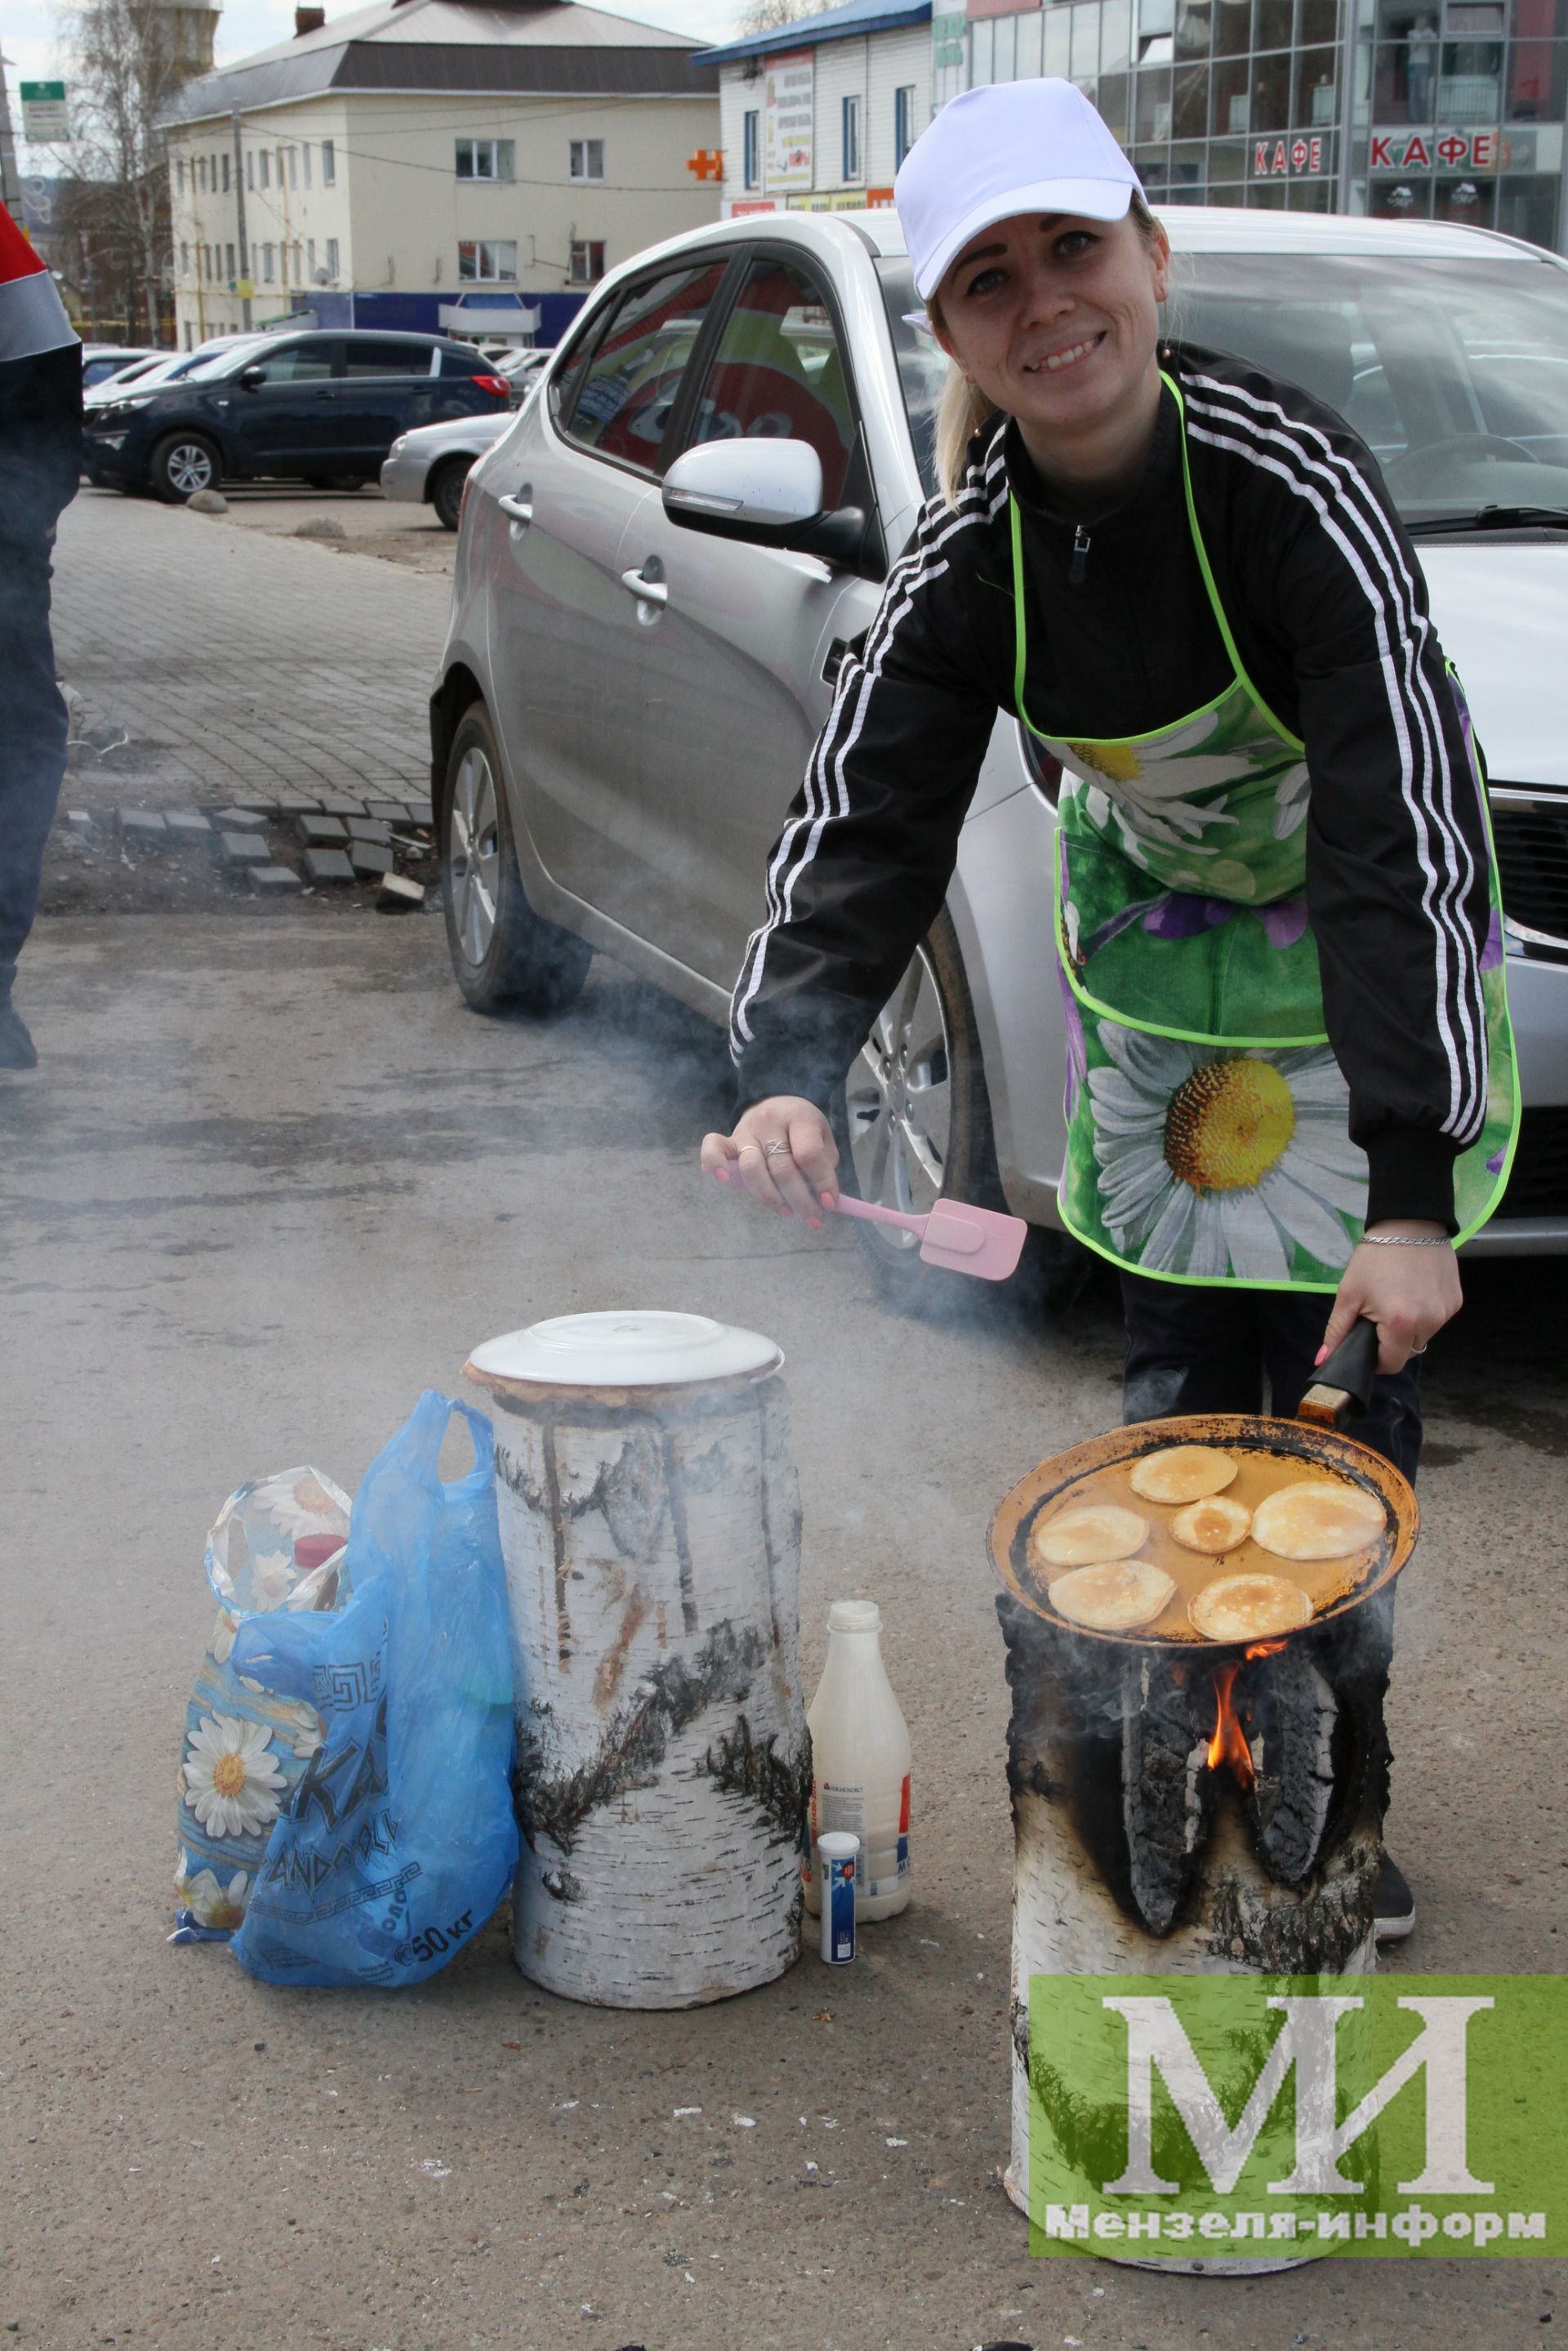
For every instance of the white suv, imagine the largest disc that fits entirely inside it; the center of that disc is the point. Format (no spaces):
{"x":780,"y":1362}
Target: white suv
{"x":626,"y":701}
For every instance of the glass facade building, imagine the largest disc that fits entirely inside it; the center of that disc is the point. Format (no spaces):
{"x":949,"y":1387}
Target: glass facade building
{"x":1455,"y":112}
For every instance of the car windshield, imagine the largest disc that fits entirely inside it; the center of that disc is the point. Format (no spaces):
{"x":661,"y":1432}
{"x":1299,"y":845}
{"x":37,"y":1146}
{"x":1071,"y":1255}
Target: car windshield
{"x":1455,"y":373}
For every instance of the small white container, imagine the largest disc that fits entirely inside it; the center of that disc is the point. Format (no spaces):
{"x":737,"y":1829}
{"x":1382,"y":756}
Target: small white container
{"x":837,"y":1853}
{"x":859,"y":1751}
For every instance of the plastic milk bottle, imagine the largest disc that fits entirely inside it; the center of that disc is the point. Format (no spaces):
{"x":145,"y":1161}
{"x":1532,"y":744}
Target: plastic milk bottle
{"x":859,"y":1751}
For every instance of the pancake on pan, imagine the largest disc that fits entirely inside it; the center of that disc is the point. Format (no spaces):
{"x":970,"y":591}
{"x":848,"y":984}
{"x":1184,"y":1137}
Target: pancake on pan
{"x":1086,"y":1536}
{"x":1317,"y":1518}
{"x":1115,"y":1597}
{"x":1214,"y":1525}
{"x":1248,"y":1608}
{"x":1182,"y":1473}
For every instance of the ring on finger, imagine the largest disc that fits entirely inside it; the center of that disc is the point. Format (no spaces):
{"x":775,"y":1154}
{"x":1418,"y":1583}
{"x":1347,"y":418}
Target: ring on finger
{"x":771,"y":1150}
{"x":749,"y":1146}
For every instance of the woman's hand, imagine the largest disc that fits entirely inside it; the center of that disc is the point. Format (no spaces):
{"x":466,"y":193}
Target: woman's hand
{"x":1409,"y":1293}
{"x":783,"y":1151}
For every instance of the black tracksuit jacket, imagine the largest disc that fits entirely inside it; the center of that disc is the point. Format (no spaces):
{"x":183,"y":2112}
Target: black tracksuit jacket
{"x":1325,"y":599}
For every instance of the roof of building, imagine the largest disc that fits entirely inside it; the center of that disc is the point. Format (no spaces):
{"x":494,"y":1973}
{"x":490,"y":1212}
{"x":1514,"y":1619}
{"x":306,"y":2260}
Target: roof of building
{"x":515,"y":47}
{"x":856,"y":19}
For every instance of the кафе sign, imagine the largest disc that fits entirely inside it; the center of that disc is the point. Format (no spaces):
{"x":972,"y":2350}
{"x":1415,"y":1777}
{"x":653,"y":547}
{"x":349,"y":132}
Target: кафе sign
{"x":1309,"y":154}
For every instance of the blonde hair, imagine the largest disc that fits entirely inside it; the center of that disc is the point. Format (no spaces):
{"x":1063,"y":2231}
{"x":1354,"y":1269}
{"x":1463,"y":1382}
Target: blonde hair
{"x":964,"y":407}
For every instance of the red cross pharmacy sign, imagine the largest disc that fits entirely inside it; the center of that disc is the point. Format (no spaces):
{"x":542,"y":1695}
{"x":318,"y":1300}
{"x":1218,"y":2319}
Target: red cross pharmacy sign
{"x":707,"y":164}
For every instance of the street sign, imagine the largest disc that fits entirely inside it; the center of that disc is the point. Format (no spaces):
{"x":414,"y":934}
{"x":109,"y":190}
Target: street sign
{"x":44,"y":112}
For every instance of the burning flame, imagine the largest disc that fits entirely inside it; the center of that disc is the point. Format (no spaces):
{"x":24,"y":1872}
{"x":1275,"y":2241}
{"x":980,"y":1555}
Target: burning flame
{"x":1229,"y":1744}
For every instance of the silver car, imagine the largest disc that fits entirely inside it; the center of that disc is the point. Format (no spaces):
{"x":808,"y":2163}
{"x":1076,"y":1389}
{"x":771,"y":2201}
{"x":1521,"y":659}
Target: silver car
{"x":429,"y":465}
{"x":665,"y":561}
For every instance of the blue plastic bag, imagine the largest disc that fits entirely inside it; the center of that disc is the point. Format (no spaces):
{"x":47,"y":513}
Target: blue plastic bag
{"x":399,"y":1839}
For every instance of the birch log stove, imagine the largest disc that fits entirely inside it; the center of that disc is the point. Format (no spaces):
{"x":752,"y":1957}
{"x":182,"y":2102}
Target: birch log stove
{"x":1183,"y":1806}
{"x":650,"y":1529}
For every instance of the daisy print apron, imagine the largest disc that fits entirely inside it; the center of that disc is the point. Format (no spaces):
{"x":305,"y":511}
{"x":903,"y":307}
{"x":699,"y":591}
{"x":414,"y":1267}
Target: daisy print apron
{"x":1207,"y":1119}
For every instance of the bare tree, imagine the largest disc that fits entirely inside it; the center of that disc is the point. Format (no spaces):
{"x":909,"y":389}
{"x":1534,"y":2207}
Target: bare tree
{"x":126,"y":58}
{"x":770,"y":15}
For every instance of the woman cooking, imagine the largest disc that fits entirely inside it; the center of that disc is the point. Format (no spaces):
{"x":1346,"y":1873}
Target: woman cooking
{"x":1289,"y":1069}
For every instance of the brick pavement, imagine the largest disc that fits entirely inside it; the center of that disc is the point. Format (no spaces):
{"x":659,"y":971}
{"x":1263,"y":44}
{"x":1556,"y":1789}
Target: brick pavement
{"x":235,"y":661}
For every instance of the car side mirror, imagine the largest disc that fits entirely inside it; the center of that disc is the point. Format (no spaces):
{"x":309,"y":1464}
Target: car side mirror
{"x":253,"y":378}
{"x":765,"y":491}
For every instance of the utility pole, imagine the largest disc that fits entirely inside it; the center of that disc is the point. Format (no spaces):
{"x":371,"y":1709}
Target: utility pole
{"x":10,"y":181}
{"x":239,"y":207}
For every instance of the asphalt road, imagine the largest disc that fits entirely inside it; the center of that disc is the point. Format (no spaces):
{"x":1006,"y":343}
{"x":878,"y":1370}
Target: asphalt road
{"x":270,"y":1182}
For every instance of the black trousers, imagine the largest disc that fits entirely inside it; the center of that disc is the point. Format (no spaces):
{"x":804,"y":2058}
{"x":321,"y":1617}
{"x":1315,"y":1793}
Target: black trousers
{"x":33,"y":730}
{"x":1200,"y":1350}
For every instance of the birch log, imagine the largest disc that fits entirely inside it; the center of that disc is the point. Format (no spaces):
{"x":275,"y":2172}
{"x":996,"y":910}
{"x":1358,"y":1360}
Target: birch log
{"x":653,"y":1552}
{"x":1132,"y":1857}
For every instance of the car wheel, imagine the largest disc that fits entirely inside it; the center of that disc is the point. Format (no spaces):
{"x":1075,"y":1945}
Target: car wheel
{"x":504,"y":955}
{"x":913,"y":1124}
{"x":447,"y":490}
{"x":182,"y":466}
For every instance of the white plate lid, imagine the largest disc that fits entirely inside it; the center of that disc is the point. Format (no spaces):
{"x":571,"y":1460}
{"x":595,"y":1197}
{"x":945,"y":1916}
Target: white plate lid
{"x":634,"y":1347}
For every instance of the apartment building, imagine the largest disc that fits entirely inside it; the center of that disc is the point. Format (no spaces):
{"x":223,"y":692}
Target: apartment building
{"x":436,"y":164}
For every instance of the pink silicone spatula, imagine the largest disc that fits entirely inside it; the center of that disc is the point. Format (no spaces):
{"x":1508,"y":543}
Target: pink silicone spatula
{"x":965,"y":1240}
{"x":981,"y":1241}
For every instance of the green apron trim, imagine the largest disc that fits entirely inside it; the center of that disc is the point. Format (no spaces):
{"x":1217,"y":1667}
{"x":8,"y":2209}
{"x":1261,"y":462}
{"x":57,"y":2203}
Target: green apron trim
{"x":1200,"y":1151}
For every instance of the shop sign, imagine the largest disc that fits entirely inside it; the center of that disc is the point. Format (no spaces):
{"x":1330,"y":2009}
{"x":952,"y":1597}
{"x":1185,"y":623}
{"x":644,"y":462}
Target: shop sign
{"x":1297,"y":155}
{"x":844,"y":200}
{"x":739,"y":207}
{"x":1444,"y":150}
{"x":788,"y":114}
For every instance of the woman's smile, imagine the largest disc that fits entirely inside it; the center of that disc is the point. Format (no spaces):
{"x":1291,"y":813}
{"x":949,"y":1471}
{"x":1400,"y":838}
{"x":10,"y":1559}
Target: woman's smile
{"x":1068,"y":356}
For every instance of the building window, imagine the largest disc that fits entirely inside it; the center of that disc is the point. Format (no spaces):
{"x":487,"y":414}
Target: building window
{"x":902,"y":123}
{"x":265,"y":167}
{"x":267,"y":254}
{"x":293,"y":167}
{"x":229,"y":259}
{"x":310,"y":258}
{"x":485,"y":159}
{"x":225,"y":172}
{"x":328,"y":164}
{"x":180,"y":175}
{"x":250,"y":170}
{"x":587,"y":261}
{"x":280,"y":167}
{"x":852,"y":125}
{"x":307,"y":162}
{"x":184,"y":259}
{"x":486,"y":261}
{"x":586,"y":158}
{"x":750,"y":125}
{"x":332,"y":259}
{"x":199,"y":168}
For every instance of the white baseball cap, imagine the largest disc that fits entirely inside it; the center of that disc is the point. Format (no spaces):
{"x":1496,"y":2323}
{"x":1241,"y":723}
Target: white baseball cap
{"x":1010,"y":147}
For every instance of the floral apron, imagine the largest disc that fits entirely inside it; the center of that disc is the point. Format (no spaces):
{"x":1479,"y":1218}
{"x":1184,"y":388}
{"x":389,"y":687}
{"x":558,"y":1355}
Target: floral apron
{"x":1207,"y":1119}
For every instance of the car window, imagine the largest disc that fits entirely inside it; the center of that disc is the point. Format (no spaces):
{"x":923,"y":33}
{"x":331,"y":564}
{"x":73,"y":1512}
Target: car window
{"x":386,"y":359}
{"x":296,"y":363}
{"x":462,"y":362}
{"x":621,"y":401}
{"x":778,"y":374}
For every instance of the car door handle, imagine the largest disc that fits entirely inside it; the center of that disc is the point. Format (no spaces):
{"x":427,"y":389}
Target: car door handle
{"x":646,"y":591}
{"x":518,"y":511}
{"x":841,"y":651}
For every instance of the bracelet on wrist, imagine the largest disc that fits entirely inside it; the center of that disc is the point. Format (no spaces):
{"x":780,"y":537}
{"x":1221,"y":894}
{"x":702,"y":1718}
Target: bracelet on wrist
{"x":1408,"y":1240}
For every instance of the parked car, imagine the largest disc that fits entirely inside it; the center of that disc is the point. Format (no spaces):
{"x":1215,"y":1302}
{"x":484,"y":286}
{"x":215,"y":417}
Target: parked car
{"x":429,"y":466}
{"x":322,"y":408}
{"x":99,"y":362}
{"x":522,"y":370}
{"x":626,"y":703}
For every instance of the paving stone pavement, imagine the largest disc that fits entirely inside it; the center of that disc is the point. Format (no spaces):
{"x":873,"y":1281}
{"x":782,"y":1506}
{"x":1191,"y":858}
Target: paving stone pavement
{"x":235,"y":662}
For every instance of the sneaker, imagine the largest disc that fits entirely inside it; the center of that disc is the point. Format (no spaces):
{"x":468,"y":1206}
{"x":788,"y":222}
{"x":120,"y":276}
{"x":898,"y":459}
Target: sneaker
{"x":1394,"y":1905}
{"x":17,"y":1051}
